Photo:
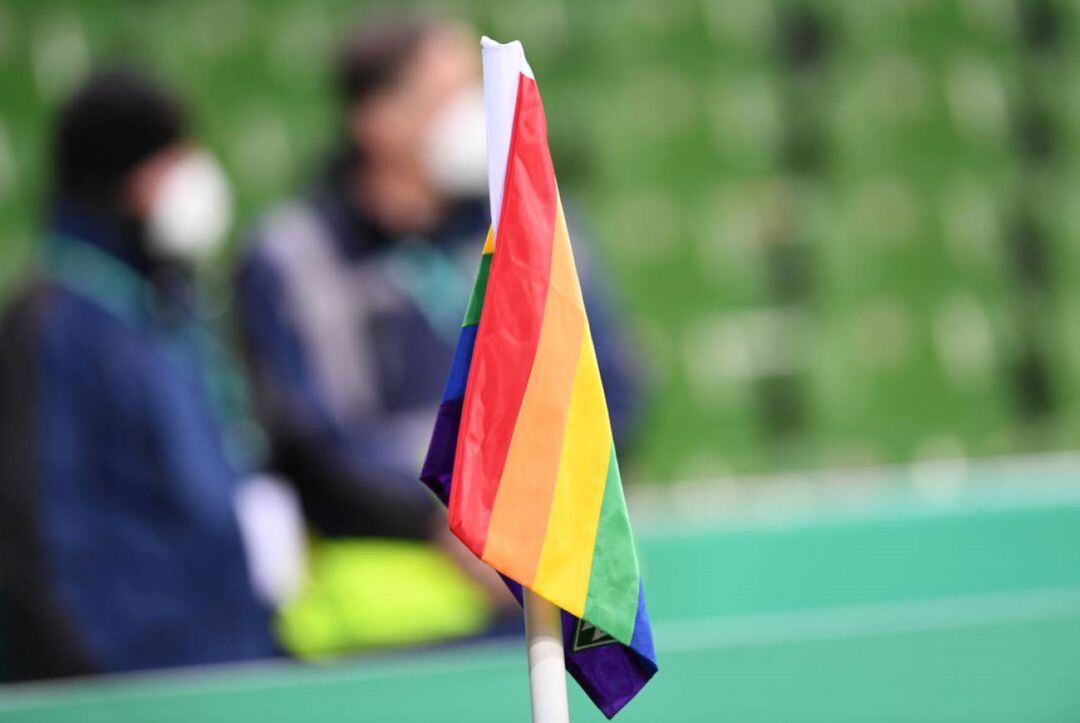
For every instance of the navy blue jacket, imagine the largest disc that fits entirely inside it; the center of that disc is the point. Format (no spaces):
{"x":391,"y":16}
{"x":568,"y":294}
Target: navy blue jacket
{"x":120,"y":548}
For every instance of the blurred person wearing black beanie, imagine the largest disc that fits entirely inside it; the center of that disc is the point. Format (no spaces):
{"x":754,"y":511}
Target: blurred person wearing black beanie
{"x":121,"y":428}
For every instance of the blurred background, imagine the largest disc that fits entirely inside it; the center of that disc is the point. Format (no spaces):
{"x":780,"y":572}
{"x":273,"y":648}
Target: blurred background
{"x":845,"y":235}
{"x":843,"y":231}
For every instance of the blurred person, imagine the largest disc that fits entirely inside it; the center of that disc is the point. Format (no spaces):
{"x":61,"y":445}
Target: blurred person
{"x":351,"y":296}
{"x":122,"y":440}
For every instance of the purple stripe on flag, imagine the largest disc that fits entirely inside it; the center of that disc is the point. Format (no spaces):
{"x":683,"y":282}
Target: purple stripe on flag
{"x":439,"y":463}
{"x":611,"y":674}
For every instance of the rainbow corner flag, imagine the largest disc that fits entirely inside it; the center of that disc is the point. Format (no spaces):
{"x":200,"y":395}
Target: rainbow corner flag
{"x":522,"y":451}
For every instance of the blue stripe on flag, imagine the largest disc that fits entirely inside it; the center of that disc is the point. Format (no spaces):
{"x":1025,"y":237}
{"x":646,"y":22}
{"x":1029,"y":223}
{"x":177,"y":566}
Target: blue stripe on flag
{"x":459,"y":370}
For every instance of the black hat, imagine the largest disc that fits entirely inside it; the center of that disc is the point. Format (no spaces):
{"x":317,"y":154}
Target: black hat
{"x":374,"y":54}
{"x":113,"y":122}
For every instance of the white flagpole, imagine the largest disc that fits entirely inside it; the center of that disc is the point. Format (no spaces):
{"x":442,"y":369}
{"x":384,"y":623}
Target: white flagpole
{"x":547,"y":669}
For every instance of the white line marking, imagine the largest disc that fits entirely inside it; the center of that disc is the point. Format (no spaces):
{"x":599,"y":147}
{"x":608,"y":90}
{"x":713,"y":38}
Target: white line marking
{"x":853,"y":621}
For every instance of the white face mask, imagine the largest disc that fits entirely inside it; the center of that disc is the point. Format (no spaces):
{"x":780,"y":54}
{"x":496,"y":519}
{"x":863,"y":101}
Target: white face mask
{"x":191,"y":210}
{"x":455,"y":149}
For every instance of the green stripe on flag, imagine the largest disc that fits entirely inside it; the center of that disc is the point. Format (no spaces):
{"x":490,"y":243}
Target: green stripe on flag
{"x":476,"y":301}
{"x":611,"y":603}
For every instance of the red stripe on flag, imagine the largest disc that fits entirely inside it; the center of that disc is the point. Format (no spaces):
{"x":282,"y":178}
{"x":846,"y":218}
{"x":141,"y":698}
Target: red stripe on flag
{"x":509,"y":323}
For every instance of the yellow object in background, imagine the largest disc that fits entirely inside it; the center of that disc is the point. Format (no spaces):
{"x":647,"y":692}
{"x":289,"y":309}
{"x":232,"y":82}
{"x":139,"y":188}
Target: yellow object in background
{"x":364,"y":594}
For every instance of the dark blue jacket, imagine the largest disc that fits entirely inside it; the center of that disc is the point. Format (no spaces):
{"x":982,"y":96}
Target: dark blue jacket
{"x":120,"y":547}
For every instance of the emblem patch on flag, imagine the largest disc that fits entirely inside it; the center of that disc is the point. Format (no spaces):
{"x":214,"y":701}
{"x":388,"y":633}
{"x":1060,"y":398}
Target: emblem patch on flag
{"x":588,"y":635}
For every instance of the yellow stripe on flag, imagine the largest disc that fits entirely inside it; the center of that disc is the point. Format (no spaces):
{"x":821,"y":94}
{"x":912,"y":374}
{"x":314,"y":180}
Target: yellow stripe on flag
{"x":566,"y":559}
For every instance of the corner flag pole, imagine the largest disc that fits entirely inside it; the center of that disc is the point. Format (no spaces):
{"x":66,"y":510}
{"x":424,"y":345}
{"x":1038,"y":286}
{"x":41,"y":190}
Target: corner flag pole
{"x":547,"y":669}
